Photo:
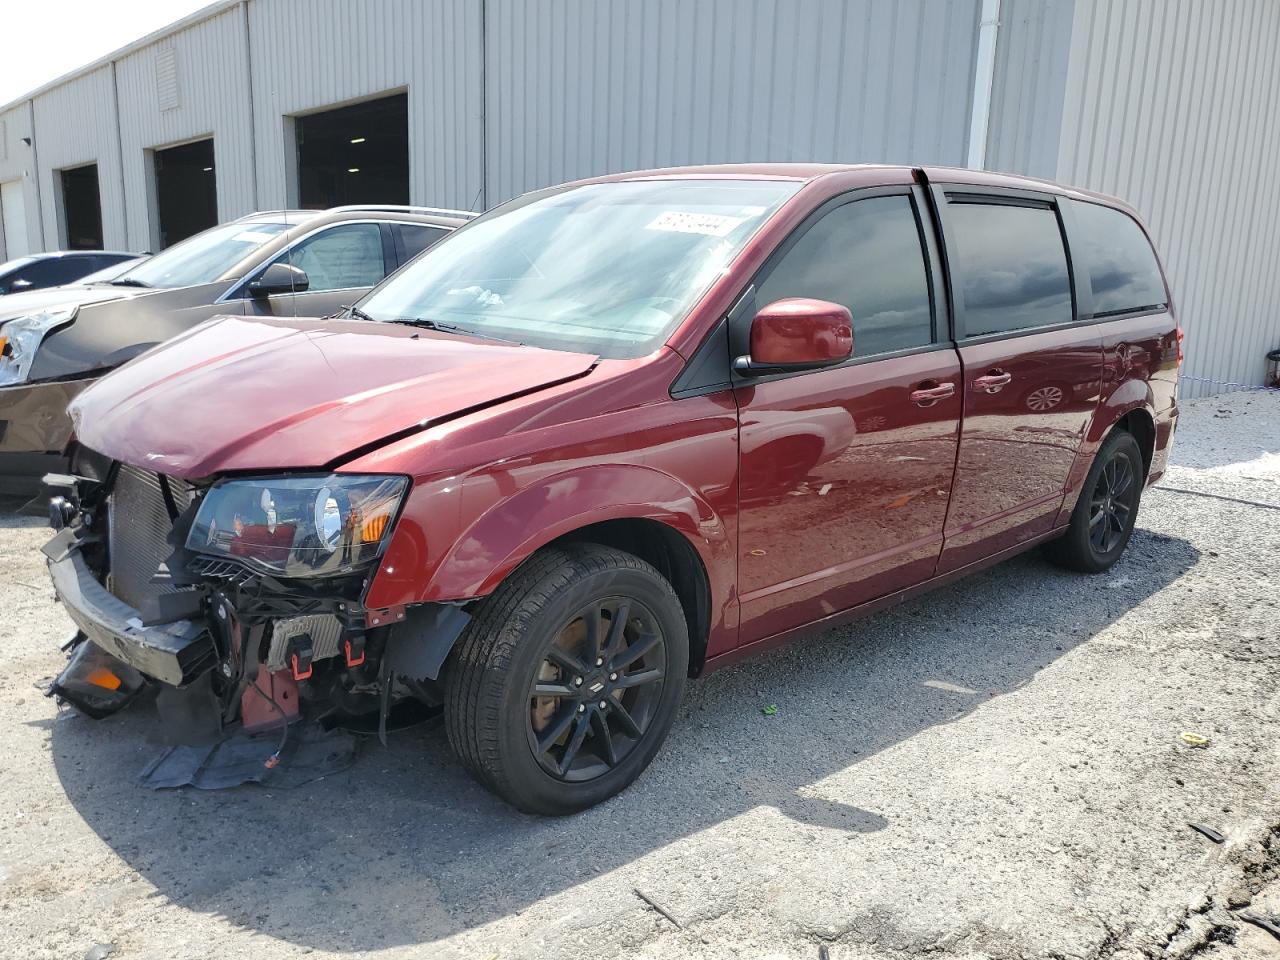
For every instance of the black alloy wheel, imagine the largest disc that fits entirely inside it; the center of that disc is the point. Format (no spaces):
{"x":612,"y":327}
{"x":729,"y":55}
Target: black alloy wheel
{"x":1106,"y":509}
{"x":597,"y":688}
{"x":566,"y":681}
{"x":1111,"y":505}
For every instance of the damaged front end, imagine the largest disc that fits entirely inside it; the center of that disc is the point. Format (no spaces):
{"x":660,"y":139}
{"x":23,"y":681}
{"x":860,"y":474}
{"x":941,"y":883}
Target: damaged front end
{"x":240,"y":600}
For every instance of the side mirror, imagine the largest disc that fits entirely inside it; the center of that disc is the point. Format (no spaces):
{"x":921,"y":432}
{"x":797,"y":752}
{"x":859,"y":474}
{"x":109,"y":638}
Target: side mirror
{"x":279,"y":277}
{"x":797,"y":334}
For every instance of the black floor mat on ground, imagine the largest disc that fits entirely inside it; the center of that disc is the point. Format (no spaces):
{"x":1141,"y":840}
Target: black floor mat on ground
{"x":310,"y":754}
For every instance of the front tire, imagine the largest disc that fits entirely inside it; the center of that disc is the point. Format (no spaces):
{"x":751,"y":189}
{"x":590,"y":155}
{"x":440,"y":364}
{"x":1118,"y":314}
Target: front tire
{"x":1107,"y":509}
{"x":566,"y":681}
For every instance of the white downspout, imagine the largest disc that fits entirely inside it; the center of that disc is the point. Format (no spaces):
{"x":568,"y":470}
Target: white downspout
{"x":984,"y":71}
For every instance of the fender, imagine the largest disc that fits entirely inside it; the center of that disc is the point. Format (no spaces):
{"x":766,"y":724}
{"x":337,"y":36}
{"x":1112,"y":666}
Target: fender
{"x":1131,"y":394}
{"x":512,"y":530}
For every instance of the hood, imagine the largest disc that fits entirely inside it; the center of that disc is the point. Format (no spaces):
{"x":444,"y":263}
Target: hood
{"x":24,"y":304}
{"x":241,"y":393}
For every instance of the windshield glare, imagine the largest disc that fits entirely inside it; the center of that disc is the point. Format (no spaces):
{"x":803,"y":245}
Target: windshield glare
{"x":15,"y":264}
{"x":204,"y":257}
{"x":109,"y":273}
{"x":607,"y":268}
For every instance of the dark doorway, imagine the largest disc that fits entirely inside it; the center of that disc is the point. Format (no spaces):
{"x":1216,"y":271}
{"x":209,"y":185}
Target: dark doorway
{"x":82,"y":208}
{"x":186,"y":191}
{"x":355,"y":154}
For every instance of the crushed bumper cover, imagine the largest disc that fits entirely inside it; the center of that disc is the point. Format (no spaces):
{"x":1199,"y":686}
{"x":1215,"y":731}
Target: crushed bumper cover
{"x":174,"y":653}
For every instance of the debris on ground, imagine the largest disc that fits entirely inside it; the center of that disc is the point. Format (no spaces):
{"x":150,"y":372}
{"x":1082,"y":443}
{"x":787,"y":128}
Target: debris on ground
{"x":1209,"y":832}
{"x":657,"y":906}
{"x":1269,"y":924}
{"x":1194,"y":739}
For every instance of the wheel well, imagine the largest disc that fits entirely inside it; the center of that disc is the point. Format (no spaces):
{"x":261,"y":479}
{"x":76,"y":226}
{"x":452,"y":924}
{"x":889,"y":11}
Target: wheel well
{"x":1141,"y":427}
{"x":674,"y":557}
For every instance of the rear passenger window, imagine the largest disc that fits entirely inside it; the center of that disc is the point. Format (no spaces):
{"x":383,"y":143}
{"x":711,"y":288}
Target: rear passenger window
{"x":1011,"y":264}
{"x":414,"y":238}
{"x":865,"y":255}
{"x":1117,"y":258}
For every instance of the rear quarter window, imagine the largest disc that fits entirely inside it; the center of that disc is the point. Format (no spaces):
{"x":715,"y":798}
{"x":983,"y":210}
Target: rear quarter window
{"x":1116,"y":257}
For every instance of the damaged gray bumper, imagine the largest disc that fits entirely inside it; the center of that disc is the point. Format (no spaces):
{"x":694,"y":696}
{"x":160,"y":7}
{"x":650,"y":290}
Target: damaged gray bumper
{"x":174,"y":653}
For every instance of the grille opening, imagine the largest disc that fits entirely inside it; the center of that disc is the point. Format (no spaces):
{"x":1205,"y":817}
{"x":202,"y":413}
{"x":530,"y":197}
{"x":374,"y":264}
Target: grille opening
{"x":138,"y":527}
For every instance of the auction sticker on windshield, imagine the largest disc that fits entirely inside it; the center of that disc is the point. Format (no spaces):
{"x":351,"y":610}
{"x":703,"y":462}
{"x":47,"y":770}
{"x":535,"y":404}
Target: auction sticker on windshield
{"x":710,"y":224}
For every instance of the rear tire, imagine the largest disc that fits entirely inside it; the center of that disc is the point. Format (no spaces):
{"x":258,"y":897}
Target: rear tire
{"x":1106,"y":510}
{"x":566,"y":681}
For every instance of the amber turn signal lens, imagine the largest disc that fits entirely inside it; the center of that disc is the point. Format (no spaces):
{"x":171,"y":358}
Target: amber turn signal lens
{"x":4,"y":346}
{"x":371,"y":530}
{"x":102,"y":677}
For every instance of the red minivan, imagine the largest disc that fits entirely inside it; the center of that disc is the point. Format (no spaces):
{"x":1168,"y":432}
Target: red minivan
{"x":608,"y":436}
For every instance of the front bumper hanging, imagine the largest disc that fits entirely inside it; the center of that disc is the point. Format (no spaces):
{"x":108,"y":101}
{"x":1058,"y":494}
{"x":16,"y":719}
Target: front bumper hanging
{"x":174,"y":653}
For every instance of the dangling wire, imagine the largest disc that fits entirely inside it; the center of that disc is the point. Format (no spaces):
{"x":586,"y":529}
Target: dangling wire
{"x":274,"y":759}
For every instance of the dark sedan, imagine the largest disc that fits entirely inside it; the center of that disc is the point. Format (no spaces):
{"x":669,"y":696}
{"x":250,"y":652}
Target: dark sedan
{"x":41,"y":270}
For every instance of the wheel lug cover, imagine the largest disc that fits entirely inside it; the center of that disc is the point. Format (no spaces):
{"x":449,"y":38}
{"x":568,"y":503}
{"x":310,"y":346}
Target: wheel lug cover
{"x":613,"y":676}
{"x":577,"y":681}
{"x":599,"y":662}
{"x":604,"y":704}
{"x":582,"y":707}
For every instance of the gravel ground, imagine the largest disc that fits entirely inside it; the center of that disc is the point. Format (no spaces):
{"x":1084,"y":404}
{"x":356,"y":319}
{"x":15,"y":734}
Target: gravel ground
{"x":992,"y":771}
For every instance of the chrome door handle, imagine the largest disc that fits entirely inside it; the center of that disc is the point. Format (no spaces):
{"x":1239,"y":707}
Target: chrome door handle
{"x":925,"y":396}
{"x":993,"y":382}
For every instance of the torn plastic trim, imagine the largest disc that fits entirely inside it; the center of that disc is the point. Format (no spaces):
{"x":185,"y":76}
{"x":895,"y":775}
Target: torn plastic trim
{"x":419,"y":645}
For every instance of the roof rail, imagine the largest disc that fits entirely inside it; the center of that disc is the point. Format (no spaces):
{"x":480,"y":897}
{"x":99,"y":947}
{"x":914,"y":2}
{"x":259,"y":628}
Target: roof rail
{"x":403,"y":208}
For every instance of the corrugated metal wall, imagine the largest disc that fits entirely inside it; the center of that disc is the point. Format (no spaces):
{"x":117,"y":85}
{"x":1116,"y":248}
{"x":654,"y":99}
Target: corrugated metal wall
{"x":18,"y":163}
{"x":75,"y":124}
{"x":1167,"y":103}
{"x":1032,"y":55}
{"x":1172,"y":104}
{"x":210,"y":97}
{"x":312,"y":54}
{"x":584,"y":87}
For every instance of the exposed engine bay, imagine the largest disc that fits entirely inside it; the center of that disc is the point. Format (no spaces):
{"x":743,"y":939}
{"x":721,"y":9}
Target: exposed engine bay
{"x":262,"y":626}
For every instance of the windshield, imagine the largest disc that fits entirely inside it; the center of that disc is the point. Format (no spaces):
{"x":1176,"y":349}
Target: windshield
{"x":202,"y":258}
{"x":607,"y":268}
{"x":111,"y":272}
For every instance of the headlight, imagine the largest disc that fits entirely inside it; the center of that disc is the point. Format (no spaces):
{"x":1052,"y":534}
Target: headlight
{"x":299,"y":526}
{"x":21,"y":338}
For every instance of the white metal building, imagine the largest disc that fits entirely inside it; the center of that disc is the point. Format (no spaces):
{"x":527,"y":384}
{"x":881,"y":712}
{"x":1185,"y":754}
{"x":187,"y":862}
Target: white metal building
{"x":1169,"y":104}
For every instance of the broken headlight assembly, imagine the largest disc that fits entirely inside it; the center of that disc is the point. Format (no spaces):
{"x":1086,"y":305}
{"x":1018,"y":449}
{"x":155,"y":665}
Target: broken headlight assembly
{"x":21,"y":338}
{"x":299,"y":526}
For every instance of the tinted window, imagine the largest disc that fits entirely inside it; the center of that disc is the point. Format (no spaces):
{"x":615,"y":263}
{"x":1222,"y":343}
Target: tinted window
{"x":414,"y":238}
{"x":1115,"y":255}
{"x":53,"y":272}
{"x":866,"y":256}
{"x":341,"y":257}
{"x":1012,"y":266}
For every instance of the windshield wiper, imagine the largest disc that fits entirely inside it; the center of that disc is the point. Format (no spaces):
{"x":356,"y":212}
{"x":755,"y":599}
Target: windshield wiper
{"x":428,"y":324}
{"x":359,"y":314}
{"x":127,"y":282}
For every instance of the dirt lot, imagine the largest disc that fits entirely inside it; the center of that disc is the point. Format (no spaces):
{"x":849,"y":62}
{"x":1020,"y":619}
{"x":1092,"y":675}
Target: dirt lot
{"x":993,"y":771}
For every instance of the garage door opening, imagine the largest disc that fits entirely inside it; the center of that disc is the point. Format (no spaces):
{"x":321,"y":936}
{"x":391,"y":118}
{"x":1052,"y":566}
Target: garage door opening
{"x":186,"y":191}
{"x":82,"y":208}
{"x":355,"y":154}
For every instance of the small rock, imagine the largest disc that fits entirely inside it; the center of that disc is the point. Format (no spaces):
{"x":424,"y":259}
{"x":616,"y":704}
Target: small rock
{"x":100,"y":951}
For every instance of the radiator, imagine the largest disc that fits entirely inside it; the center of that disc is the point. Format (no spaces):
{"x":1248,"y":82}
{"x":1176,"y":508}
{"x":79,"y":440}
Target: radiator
{"x":137,"y":527}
